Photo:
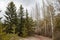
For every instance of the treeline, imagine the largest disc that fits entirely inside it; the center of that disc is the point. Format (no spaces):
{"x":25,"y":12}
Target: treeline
{"x":17,"y":23}
{"x":50,"y":24}
{"x":20,"y":23}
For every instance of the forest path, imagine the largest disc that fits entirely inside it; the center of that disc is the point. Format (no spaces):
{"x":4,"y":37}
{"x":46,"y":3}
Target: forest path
{"x":36,"y":38}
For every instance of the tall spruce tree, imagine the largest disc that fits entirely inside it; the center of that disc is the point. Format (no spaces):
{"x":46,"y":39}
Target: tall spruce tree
{"x":11,"y":17}
{"x":29,"y":24}
{"x":25,"y":27}
{"x":21,"y":19}
{"x":1,"y":29}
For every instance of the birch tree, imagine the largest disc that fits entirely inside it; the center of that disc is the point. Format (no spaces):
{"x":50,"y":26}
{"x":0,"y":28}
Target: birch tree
{"x":52,"y":14}
{"x":44,"y":15}
{"x":37,"y":16}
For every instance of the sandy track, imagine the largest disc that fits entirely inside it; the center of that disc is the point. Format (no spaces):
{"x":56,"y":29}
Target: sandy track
{"x":36,"y":38}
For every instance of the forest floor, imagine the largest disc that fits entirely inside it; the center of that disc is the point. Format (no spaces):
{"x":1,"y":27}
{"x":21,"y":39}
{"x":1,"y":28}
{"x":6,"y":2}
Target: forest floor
{"x":36,"y":38}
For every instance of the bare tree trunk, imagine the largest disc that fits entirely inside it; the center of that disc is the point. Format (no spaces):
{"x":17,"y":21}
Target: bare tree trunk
{"x":51,"y":11}
{"x":44,"y":15}
{"x":37,"y":16}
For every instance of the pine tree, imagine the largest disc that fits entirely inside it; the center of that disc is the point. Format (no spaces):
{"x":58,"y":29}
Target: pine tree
{"x":11,"y":17}
{"x":25,"y":29}
{"x":20,"y":16}
{"x":1,"y":29}
{"x":29,"y":24}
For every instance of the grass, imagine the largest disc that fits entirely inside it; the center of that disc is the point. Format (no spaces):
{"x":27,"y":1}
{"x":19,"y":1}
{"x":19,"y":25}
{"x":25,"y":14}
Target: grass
{"x":9,"y":37}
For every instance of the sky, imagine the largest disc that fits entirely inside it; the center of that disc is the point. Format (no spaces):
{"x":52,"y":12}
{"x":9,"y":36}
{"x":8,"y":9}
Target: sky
{"x":27,"y":4}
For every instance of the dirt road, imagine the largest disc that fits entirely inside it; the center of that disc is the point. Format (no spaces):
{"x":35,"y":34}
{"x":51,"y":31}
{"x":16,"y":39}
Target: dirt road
{"x":36,"y":38}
